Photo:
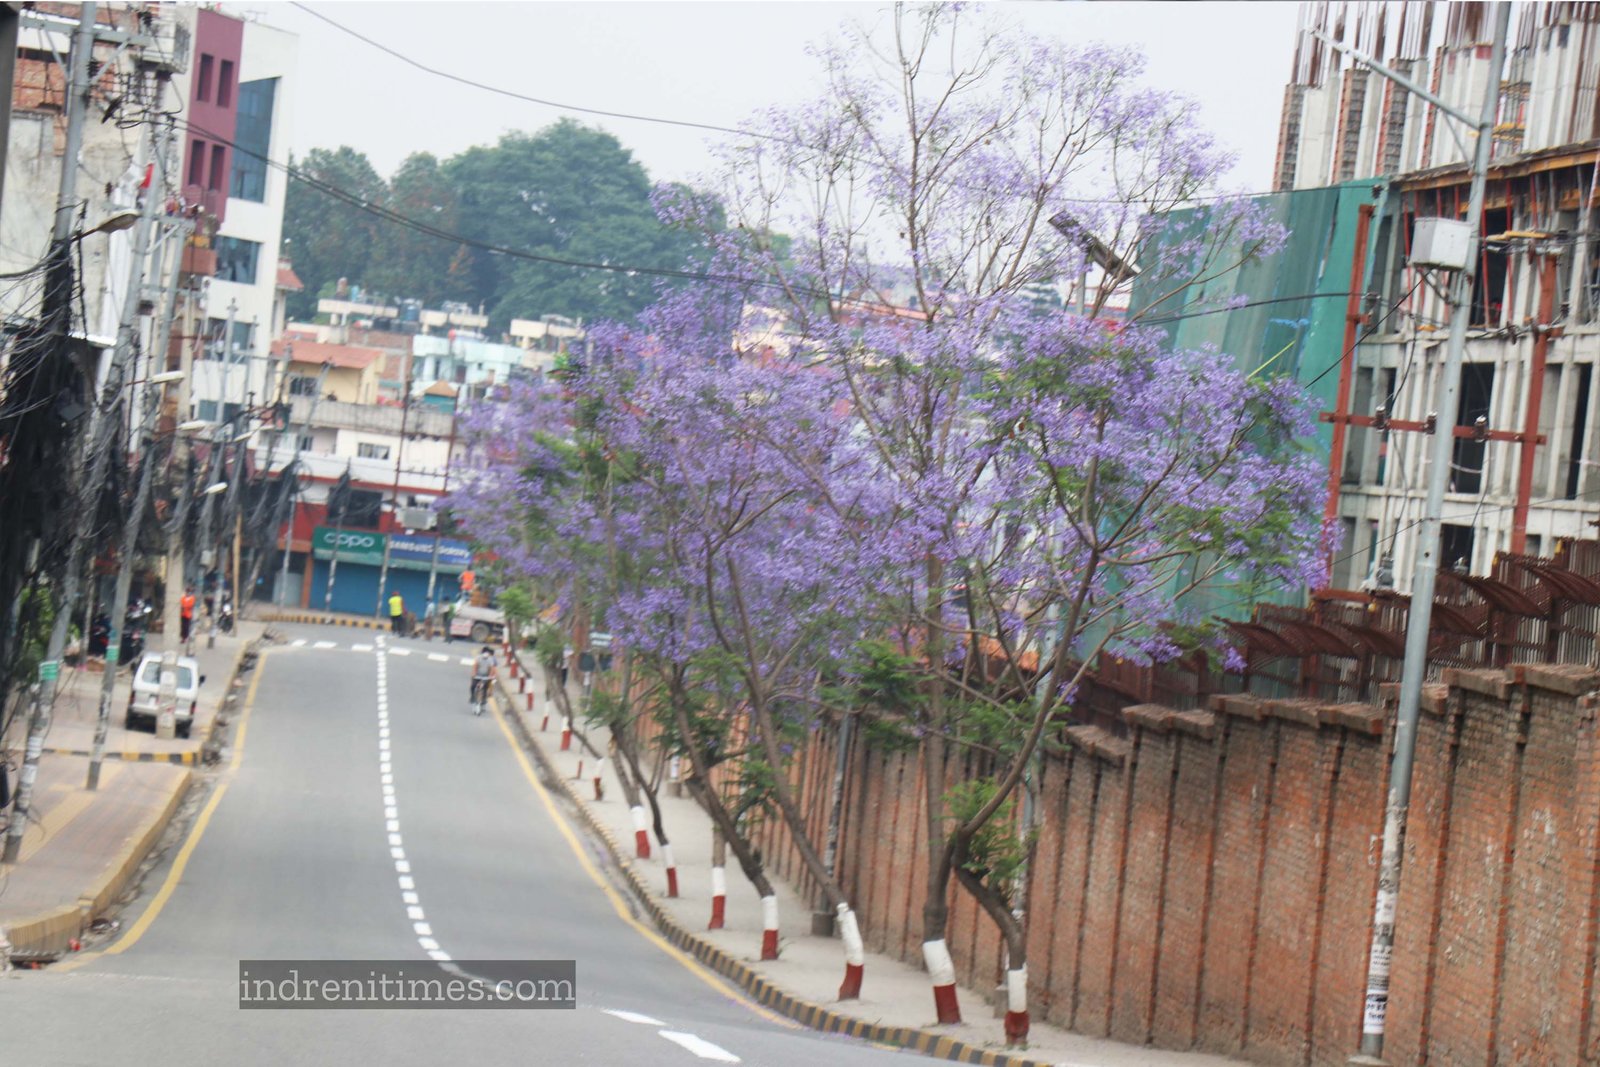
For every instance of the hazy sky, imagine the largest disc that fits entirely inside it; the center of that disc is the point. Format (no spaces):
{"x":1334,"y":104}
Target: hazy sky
{"x":709,"y":62}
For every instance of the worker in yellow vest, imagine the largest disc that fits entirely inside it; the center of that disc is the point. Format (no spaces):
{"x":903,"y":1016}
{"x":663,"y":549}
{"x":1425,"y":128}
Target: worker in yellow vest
{"x":397,"y":612}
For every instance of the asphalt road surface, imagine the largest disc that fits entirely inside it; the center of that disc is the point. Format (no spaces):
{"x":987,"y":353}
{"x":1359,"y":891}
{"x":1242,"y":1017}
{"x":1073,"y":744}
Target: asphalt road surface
{"x":366,"y":814}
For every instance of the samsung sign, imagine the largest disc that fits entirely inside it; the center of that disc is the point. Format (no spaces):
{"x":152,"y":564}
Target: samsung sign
{"x":406,"y":552}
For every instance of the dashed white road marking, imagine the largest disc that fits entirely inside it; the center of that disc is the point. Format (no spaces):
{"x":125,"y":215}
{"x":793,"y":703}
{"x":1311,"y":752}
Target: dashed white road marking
{"x":360,"y":648}
{"x":465,"y":662}
{"x":633,"y":1017}
{"x":326,"y":644}
{"x":699,"y":1046}
{"x":399,"y":652}
{"x":391,"y":810}
{"x":298,"y":642}
{"x":438,"y":657}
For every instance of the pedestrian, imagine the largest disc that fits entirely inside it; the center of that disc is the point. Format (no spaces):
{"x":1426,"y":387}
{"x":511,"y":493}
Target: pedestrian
{"x":397,"y":612}
{"x":186,"y":605}
{"x":449,"y":619}
{"x":427,"y":619}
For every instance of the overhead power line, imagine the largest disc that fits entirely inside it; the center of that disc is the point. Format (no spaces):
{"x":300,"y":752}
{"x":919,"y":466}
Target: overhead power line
{"x":629,"y":116}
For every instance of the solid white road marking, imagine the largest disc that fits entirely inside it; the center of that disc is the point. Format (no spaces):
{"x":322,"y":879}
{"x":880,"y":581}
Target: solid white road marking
{"x":633,"y":1017}
{"x":699,"y":1046}
{"x":326,"y":644}
{"x":438,"y":657}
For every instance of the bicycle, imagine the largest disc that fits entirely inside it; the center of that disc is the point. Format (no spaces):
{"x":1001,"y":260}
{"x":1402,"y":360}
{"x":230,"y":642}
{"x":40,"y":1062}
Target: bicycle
{"x":480,"y":695}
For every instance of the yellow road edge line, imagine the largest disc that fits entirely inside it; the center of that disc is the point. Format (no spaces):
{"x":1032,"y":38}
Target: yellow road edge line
{"x":688,"y":962}
{"x":181,"y":862}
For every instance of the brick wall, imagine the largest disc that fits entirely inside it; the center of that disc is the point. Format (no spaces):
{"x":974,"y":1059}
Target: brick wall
{"x":1207,"y":879}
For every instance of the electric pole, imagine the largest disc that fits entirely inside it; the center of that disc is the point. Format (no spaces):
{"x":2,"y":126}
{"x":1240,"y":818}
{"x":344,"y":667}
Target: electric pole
{"x":294,"y":495}
{"x":394,"y":503}
{"x":130,"y":536}
{"x":1419,"y":622}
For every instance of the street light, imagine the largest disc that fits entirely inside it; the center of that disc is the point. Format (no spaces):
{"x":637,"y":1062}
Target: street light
{"x":122,"y":219}
{"x":166,"y":377}
{"x":216,"y":487}
{"x":194,"y":426}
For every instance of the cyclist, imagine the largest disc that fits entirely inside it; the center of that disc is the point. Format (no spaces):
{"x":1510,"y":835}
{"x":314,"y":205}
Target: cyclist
{"x":482,"y":674}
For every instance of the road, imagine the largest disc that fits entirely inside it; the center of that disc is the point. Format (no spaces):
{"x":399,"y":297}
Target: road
{"x":366,"y":814}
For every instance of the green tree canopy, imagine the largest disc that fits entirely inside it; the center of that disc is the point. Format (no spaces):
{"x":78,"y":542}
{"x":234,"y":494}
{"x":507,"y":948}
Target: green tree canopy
{"x":569,"y":192}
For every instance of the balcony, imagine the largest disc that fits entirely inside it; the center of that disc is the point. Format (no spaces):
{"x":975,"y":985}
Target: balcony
{"x":369,"y":418}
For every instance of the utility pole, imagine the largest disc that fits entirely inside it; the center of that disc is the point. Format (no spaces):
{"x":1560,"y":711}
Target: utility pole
{"x":438,"y":533}
{"x":119,"y":602}
{"x":294,"y":495}
{"x":55,"y":316}
{"x":130,"y":536}
{"x":221,"y":434}
{"x":394,"y":503}
{"x":1420,"y":618}
{"x":342,"y":492}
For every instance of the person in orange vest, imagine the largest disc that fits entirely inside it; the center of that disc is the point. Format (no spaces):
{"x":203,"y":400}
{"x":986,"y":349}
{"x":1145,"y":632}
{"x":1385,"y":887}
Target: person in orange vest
{"x":187,"y":604}
{"x":468,"y":581}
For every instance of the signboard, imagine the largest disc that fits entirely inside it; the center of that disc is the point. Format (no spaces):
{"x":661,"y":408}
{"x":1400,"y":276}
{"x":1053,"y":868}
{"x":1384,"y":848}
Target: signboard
{"x":355,"y":546}
{"x":406,"y":551}
{"x":414,"y":553}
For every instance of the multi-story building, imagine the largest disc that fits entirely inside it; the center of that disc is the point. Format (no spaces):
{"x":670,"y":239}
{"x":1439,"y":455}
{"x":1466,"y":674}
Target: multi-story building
{"x":238,"y":105}
{"x":1524,"y":472}
{"x":130,"y":85}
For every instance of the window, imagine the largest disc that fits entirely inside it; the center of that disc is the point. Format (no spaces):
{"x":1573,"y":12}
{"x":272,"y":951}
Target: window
{"x":216,"y":339}
{"x":236,"y":259}
{"x":197,"y":161}
{"x":207,"y":410}
{"x":304,"y":442}
{"x":252,"y":140}
{"x":219,"y":159}
{"x":368,"y":450}
{"x":202,"y":83}
{"x":225,"y":84}
{"x":302,"y":385}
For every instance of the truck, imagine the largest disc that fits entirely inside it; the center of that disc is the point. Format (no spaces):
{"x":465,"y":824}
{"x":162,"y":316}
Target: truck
{"x":482,"y":624}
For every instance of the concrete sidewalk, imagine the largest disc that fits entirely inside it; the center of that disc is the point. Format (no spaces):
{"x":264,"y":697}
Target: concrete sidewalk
{"x":81,"y":849}
{"x":78,"y":704}
{"x":896,"y":1005}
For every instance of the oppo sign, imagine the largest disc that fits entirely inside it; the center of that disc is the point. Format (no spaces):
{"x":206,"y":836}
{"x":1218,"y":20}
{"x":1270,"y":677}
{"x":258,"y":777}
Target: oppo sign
{"x":405,"y":552}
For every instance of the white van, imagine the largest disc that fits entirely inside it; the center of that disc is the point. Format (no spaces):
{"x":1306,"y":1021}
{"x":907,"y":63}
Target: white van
{"x":144,"y":700}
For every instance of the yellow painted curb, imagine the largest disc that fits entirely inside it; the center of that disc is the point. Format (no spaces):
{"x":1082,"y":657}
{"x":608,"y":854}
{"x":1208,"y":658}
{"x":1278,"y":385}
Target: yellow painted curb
{"x":759,"y":988}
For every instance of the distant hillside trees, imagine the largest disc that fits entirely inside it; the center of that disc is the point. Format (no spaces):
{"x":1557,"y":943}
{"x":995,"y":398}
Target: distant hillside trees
{"x":567,"y":192}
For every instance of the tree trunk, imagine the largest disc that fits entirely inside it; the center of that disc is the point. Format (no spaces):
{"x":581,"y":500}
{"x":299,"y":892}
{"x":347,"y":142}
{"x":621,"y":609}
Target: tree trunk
{"x":849,"y":929}
{"x":936,"y":908}
{"x":635,"y":782}
{"x":1016,"y":952}
{"x":706,"y":796}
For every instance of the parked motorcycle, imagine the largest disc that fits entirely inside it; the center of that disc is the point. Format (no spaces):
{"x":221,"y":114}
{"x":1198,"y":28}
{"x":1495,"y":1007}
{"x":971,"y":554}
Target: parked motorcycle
{"x":225,"y":615}
{"x":134,"y":624}
{"x":99,"y":634}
